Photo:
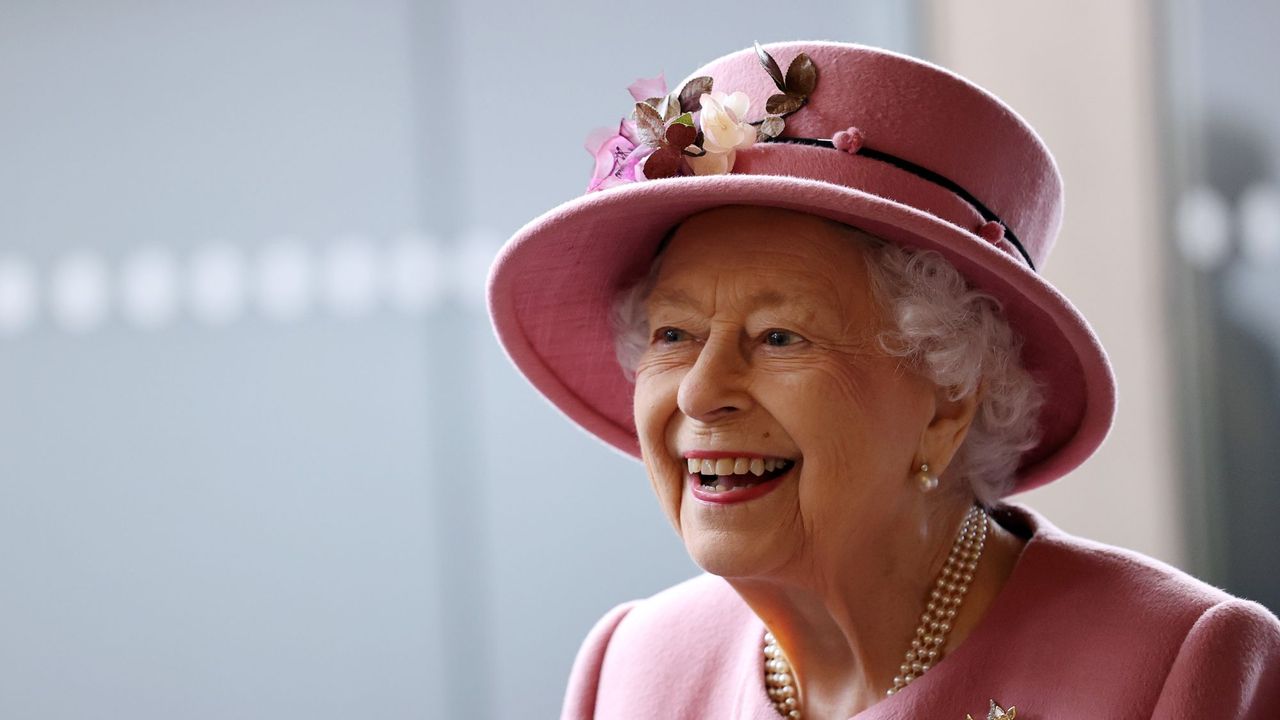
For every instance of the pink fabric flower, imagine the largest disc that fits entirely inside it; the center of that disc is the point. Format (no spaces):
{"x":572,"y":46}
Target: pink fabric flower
{"x":644,"y":88}
{"x":617,"y":154}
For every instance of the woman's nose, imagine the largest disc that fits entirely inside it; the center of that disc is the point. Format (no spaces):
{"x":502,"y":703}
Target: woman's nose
{"x":716,"y":386}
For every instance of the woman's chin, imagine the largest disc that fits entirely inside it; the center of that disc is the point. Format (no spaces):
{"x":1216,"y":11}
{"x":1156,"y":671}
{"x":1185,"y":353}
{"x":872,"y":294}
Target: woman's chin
{"x":722,"y":553}
{"x":728,"y":540}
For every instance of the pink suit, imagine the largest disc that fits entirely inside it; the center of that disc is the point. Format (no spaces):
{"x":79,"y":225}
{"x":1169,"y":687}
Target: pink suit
{"x":1081,"y":631}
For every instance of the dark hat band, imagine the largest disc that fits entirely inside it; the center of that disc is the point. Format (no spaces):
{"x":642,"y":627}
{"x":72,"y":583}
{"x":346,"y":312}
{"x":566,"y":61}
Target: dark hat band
{"x":925,"y":173}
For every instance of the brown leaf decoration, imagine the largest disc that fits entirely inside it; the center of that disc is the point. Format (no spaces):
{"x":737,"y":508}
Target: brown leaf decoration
{"x":802,"y":75}
{"x":693,"y":90}
{"x":783,"y":104}
{"x":670,"y":108}
{"x":653,"y":102}
{"x":664,"y":163}
{"x":771,"y":66}
{"x":680,"y":136}
{"x":771,"y":127}
{"x":649,"y":124}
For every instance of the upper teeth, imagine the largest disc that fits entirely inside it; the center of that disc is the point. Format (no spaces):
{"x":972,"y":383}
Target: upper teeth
{"x":735,"y":466}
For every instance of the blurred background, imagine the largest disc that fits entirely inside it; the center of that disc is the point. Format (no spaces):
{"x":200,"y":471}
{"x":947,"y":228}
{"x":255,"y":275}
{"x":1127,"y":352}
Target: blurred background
{"x":260,"y":456}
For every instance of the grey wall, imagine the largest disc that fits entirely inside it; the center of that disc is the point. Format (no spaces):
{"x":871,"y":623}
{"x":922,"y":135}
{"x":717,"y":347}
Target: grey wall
{"x":1223,"y":164}
{"x":259,"y":455}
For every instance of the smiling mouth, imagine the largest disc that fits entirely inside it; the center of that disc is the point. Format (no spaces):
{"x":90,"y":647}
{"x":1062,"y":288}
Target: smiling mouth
{"x":756,"y":473}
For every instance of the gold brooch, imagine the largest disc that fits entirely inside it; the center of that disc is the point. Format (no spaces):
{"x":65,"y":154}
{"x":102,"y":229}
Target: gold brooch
{"x":998,"y":713}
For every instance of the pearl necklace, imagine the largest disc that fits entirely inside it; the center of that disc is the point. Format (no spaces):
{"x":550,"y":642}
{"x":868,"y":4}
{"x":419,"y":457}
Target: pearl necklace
{"x":931,"y":634}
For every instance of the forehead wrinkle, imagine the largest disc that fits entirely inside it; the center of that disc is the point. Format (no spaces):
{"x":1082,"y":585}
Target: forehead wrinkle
{"x":815,"y":286}
{"x":677,"y":297}
{"x":757,"y":300}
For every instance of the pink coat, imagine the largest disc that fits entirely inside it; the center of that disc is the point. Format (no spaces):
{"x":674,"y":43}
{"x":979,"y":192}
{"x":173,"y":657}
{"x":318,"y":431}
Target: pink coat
{"x":1081,"y":631}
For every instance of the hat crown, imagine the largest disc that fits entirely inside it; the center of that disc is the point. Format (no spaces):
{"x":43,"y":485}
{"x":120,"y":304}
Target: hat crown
{"x":921,"y":113}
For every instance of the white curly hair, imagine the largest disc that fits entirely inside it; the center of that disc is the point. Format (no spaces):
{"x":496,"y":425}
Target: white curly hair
{"x":952,"y":334}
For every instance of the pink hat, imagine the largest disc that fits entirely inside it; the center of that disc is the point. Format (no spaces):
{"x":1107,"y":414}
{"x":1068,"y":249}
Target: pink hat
{"x":900,"y":148}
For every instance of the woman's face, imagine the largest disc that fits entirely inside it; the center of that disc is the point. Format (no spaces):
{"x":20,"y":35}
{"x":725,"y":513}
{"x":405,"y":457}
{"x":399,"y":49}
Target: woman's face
{"x":762,"y":346}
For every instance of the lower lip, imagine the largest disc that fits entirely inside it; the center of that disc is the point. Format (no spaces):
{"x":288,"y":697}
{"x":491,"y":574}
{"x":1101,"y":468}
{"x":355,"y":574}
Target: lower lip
{"x":735,"y":496}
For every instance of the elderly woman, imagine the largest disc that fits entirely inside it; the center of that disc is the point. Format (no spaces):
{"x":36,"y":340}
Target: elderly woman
{"x":808,"y":300}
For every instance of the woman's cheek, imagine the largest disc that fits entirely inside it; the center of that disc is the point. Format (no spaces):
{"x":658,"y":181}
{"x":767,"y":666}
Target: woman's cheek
{"x":667,"y":481}
{"x":842,"y":381}
{"x":662,"y":362}
{"x":655,"y":409}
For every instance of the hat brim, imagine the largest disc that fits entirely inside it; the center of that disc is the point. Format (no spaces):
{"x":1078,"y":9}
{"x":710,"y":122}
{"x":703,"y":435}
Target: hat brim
{"x":551,"y":289}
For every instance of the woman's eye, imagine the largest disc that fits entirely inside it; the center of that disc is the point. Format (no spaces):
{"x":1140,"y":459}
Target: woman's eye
{"x":669,"y":335}
{"x":781,"y":338}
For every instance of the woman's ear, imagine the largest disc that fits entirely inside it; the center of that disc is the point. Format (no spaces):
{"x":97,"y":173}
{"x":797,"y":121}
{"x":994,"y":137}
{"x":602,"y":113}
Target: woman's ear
{"x":947,"y":429}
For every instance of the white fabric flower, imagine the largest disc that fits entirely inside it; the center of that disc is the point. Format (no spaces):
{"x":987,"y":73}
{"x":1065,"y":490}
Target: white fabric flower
{"x":712,"y":163}
{"x":723,"y":126}
{"x":724,"y":131}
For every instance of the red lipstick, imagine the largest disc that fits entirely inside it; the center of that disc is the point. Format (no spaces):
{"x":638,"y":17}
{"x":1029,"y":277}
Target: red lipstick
{"x":729,"y":497}
{"x":717,"y":454}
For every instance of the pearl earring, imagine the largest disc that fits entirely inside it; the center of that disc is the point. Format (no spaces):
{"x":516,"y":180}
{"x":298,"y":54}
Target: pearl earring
{"x":927,"y":481}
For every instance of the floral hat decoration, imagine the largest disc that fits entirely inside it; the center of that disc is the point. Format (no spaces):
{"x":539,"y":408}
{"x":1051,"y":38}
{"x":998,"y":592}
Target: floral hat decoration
{"x":898,"y":147}
{"x":696,"y":131}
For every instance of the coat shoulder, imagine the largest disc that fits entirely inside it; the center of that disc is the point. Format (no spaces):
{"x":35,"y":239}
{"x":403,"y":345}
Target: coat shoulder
{"x":682,"y":652}
{"x":702,"y":616}
{"x":1068,"y":576}
{"x":1134,"y":630}
{"x":1228,"y":666}
{"x":1123,"y":580}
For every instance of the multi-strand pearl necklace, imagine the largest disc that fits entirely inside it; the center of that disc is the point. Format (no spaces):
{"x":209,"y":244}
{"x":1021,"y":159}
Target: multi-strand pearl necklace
{"x":931,"y":635}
